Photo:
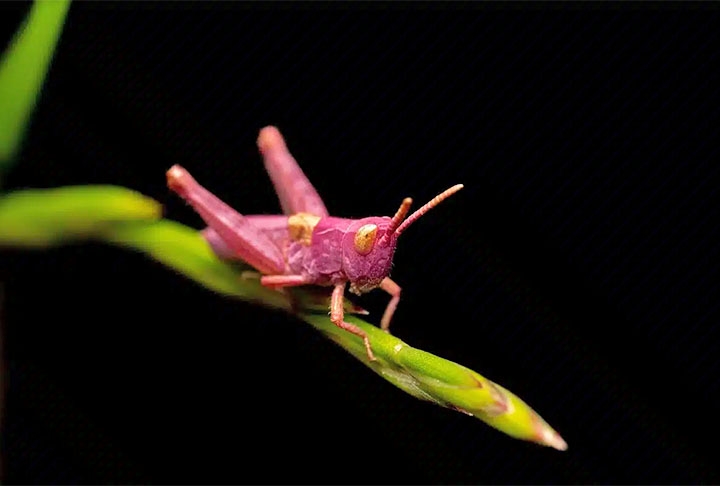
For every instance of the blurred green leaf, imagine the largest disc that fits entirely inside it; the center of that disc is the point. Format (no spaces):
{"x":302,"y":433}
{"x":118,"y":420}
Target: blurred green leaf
{"x":23,"y":68}
{"x":42,"y":217}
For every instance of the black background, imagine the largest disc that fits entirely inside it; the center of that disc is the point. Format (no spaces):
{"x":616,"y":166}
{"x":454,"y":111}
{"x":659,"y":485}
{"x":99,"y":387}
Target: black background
{"x":576,"y":268}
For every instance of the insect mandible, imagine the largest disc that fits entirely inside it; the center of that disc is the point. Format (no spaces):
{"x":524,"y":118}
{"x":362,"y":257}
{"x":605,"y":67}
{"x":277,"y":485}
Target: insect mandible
{"x":305,"y":245}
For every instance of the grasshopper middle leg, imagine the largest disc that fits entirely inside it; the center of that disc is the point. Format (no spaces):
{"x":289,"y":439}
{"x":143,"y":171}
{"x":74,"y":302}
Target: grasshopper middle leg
{"x":337,"y":316}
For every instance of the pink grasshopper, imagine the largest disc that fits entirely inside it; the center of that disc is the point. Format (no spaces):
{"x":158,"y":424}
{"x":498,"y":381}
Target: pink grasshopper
{"x":305,"y":246}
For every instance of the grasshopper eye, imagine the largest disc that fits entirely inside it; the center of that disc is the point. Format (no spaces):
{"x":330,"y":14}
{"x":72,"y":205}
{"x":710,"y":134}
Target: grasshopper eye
{"x":365,"y":238}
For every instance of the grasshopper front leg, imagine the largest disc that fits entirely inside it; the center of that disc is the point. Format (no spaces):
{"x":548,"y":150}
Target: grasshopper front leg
{"x":389,"y":286}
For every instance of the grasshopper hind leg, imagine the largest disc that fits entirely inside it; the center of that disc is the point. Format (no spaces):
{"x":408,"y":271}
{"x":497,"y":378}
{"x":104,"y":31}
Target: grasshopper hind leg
{"x":239,"y":235}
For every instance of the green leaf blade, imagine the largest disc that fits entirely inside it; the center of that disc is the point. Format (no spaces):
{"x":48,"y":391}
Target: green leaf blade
{"x":23,"y":69}
{"x":38,"y":218}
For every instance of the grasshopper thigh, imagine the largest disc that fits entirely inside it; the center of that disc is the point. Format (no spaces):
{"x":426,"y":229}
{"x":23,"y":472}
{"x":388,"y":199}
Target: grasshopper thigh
{"x":293,"y":188}
{"x":240,"y":236}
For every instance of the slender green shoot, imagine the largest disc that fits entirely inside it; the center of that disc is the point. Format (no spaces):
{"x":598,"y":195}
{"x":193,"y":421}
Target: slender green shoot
{"x":23,"y":68}
{"x":118,"y":216}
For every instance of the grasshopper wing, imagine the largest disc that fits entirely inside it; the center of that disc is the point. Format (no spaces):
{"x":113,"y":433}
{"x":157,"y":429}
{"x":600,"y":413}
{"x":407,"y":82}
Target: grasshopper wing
{"x":296,"y":193}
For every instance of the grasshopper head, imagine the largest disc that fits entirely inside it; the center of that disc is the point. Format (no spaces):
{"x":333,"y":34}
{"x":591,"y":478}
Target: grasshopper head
{"x":369,"y":244}
{"x":366,"y":262}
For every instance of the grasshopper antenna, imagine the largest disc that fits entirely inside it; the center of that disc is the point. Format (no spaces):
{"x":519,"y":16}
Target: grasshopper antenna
{"x":424,"y":209}
{"x":398,"y":218}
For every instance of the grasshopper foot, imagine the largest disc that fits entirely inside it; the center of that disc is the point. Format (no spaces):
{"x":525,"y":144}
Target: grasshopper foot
{"x":352,"y":328}
{"x":370,"y":354}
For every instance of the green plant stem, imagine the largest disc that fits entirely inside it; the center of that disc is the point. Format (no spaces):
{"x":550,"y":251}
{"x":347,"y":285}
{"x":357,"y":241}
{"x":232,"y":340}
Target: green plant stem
{"x":118,"y":216}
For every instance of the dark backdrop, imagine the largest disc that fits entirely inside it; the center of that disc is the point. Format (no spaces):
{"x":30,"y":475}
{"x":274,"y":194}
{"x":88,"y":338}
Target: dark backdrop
{"x":575,"y":269}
